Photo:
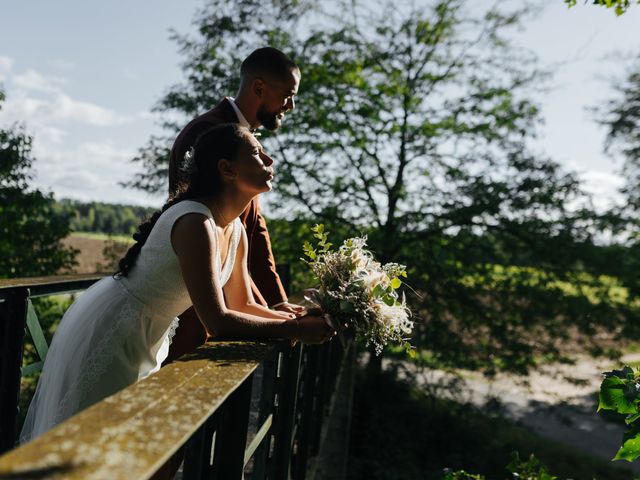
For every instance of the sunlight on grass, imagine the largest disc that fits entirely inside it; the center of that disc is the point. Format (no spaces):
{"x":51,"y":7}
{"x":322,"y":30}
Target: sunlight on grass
{"x":581,"y":284}
{"x":103,"y":236}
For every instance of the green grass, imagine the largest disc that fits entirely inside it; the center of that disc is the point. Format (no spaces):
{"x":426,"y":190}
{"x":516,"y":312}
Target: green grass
{"x":400,"y":433}
{"x":103,"y":236}
{"x":595,"y":289}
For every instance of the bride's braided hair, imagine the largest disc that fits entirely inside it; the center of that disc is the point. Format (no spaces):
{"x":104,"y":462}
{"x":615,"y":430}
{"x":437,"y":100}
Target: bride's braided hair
{"x":222,"y":141}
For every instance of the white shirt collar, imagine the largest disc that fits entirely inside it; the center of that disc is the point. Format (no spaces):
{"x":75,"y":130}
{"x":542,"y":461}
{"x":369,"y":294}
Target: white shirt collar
{"x":241,"y":120}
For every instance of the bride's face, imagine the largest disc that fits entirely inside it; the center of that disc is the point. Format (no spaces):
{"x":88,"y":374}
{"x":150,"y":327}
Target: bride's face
{"x":253,"y":168}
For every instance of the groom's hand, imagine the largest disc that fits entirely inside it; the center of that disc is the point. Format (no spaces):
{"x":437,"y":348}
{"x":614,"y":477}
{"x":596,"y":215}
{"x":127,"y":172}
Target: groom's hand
{"x":289,"y":308}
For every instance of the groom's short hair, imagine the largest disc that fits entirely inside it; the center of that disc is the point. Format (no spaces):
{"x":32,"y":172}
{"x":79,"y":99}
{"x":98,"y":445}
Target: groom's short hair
{"x":267,"y":62}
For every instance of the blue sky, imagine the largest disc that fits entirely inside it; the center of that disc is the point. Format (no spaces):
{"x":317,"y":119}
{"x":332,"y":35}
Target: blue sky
{"x":82,"y":77}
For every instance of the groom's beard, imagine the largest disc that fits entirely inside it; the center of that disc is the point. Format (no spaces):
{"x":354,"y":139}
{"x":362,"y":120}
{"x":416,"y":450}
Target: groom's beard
{"x":268,"y":120}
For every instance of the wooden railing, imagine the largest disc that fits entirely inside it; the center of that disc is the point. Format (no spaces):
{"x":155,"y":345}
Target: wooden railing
{"x":16,"y":315}
{"x":261,"y":409}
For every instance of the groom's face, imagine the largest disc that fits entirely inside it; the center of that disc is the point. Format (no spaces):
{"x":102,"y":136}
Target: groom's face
{"x":278,"y":98}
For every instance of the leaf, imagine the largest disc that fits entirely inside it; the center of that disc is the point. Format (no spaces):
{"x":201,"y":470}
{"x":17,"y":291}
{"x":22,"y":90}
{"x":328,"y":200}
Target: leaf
{"x":395,"y":283}
{"x":630,"y":449}
{"x":325,"y":246}
{"x":631,"y":418}
{"x":612,"y":397}
{"x":389,"y":300}
{"x":625,"y":373}
{"x":378,"y":291}
{"x":309,"y":251}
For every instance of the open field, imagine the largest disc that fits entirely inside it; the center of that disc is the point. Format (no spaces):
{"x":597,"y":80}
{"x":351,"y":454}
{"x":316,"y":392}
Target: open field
{"x":91,"y":257}
{"x":104,"y":236}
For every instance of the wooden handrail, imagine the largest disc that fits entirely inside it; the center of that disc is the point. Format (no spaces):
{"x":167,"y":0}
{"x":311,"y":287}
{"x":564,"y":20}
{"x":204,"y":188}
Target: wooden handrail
{"x":132,"y":433}
{"x":49,"y":285}
{"x":201,"y":403}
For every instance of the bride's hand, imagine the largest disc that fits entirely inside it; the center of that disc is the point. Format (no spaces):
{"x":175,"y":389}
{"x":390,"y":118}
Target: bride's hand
{"x":289,"y":308}
{"x":285,"y":315}
{"x":313,"y":329}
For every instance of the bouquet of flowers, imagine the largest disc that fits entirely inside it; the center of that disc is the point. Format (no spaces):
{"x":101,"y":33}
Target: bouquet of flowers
{"x":356,"y":293}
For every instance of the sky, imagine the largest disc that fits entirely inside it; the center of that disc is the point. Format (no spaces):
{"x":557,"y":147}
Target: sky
{"x":82,"y":77}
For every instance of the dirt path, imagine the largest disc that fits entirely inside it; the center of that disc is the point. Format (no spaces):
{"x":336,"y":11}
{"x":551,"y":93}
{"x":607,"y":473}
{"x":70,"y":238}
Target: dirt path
{"x":557,"y":402}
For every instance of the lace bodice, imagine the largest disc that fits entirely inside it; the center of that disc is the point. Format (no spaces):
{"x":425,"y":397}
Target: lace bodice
{"x":156,"y":279}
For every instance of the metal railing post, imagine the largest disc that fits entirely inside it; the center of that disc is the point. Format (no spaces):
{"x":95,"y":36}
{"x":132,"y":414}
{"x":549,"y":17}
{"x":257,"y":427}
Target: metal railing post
{"x":13,"y":320}
{"x":285,"y":414}
{"x":266,"y":408}
{"x":308,"y":403}
{"x":228,"y":456}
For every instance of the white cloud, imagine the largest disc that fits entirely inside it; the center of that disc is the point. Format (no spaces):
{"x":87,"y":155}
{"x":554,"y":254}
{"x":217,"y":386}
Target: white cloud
{"x":40,"y":101}
{"x":64,"y":107}
{"x":52,"y":135}
{"x":6,"y":63}
{"x":56,"y":110}
{"x":74,"y":159}
{"x":88,"y":171}
{"x":603,"y":186}
{"x":34,"y":81}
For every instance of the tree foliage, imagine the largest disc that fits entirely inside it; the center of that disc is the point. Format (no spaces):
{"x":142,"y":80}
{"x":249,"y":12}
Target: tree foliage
{"x":30,"y":227}
{"x":621,"y":116}
{"x":103,"y":217}
{"x":413,"y":126}
{"x":619,"y":6}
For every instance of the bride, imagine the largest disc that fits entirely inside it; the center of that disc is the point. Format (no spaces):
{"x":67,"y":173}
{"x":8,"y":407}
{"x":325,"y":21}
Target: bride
{"x":120,"y":329}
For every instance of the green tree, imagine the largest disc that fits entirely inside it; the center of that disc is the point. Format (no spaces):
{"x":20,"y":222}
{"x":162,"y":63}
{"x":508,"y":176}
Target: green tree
{"x":412,"y":126}
{"x":102,"y":217}
{"x":30,"y":228}
{"x":619,"y":6}
{"x":621,"y":116}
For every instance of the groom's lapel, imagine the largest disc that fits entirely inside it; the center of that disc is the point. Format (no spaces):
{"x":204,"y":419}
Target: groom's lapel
{"x":225,"y":112}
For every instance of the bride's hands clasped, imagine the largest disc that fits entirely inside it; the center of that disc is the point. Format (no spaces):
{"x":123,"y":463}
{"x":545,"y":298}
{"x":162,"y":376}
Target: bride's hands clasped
{"x":313,"y":328}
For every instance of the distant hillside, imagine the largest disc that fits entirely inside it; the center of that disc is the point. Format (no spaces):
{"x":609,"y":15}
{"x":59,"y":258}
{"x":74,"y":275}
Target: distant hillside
{"x":108,"y":218}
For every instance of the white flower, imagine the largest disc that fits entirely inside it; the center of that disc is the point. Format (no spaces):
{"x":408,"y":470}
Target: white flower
{"x":359,"y":259}
{"x":395,"y":316}
{"x":373,"y":279}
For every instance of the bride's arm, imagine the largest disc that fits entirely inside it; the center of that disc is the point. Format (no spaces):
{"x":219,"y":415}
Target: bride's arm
{"x":194,"y":242}
{"x":237,"y":291}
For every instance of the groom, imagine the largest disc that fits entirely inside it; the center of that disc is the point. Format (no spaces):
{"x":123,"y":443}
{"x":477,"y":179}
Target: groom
{"x":268,"y":84}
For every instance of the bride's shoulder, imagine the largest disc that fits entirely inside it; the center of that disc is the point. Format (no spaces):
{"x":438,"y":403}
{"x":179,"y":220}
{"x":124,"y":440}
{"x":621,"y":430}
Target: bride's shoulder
{"x":184,"y":207}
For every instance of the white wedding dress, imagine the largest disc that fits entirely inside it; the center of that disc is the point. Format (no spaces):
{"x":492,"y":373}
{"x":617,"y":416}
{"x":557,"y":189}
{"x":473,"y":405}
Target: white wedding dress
{"x":120,"y":329}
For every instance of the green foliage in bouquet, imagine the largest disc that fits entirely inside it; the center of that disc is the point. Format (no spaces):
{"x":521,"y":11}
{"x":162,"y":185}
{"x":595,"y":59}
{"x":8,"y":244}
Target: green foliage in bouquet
{"x":620,"y":392}
{"x":357,"y":292}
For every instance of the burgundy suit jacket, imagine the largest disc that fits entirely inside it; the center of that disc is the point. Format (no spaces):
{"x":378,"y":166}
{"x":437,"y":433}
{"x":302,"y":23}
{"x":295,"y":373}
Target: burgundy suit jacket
{"x":267,"y":287}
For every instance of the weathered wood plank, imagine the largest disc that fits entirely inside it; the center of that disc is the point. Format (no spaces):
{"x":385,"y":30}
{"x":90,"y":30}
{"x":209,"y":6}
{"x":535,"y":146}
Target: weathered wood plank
{"x":131,"y":434}
{"x":42,"y":286}
{"x":37,"y":281}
